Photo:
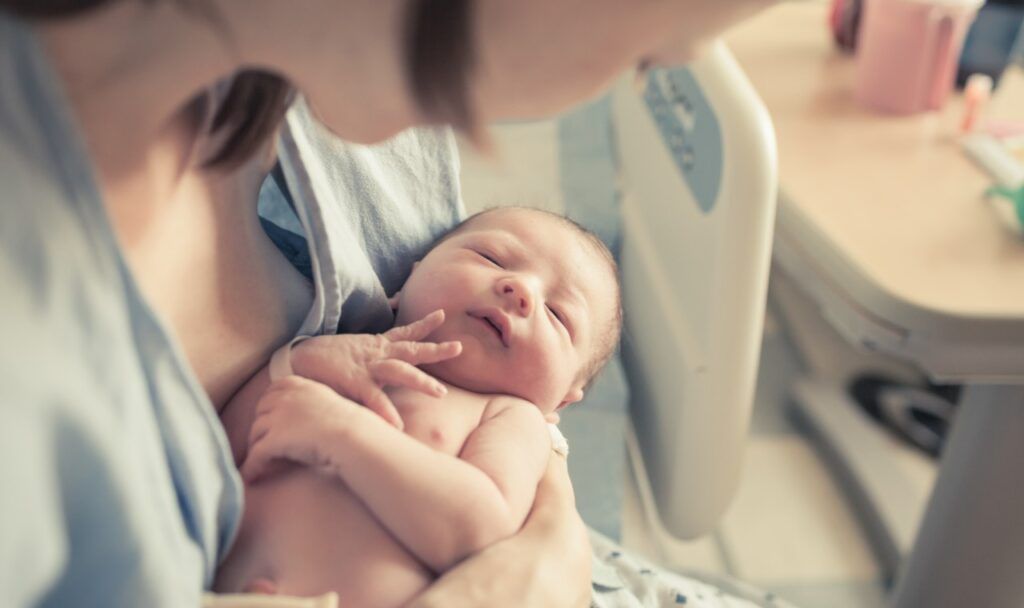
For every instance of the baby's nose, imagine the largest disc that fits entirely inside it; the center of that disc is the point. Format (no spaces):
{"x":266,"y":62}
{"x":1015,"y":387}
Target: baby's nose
{"x":518,"y":295}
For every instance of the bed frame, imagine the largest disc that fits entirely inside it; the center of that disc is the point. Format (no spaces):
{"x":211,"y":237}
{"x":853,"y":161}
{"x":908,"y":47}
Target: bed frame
{"x":697,"y":160}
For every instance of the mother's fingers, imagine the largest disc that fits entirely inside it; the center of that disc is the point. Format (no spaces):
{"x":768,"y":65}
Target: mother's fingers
{"x":420,"y":353}
{"x":416,"y":330}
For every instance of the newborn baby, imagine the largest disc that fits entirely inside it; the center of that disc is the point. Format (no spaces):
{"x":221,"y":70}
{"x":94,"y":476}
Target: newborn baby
{"x":375,"y":513}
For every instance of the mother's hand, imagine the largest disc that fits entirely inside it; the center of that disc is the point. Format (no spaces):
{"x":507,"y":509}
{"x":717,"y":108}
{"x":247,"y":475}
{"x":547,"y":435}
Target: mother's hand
{"x":545,"y":565}
{"x":359,"y":366}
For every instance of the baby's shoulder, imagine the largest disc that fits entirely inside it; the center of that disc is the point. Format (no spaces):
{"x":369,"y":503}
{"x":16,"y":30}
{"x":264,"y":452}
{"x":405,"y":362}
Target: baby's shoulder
{"x":507,"y":404}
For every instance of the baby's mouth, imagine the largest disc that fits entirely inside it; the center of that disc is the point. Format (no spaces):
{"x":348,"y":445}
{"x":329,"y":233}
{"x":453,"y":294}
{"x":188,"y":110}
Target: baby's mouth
{"x":497,"y":329}
{"x":494,"y":323}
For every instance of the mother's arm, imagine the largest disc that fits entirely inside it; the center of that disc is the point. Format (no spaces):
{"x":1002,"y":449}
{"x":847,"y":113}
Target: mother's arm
{"x":547,"y":564}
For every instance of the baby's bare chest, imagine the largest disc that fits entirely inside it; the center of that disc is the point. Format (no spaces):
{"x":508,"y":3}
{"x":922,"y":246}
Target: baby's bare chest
{"x":442,"y":423}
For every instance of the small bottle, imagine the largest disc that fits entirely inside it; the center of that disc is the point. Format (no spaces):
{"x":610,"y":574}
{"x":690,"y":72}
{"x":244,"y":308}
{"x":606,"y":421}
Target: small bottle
{"x":977,"y":92}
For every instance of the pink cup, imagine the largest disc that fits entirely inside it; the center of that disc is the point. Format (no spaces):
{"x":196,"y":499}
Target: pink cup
{"x":907,"y":52}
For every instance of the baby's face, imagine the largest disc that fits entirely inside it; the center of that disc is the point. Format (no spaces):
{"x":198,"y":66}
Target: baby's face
{"x":529,"y":298}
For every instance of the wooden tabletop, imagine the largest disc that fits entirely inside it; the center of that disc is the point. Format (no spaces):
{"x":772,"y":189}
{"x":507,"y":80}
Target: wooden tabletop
{"x":893,"y":196}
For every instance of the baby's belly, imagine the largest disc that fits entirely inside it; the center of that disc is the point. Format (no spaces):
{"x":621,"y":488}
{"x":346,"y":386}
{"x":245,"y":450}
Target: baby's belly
{"x":310,"y":535}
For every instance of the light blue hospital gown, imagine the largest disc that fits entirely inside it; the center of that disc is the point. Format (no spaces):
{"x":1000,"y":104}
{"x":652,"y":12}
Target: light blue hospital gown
{"x":116,"y":483}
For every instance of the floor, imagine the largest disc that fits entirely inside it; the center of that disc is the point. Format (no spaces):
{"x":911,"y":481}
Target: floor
{"x":789,"y":529}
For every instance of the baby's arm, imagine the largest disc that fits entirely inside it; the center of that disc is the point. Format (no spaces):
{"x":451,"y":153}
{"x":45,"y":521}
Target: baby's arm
{"x":511,"y":447}
{"x":441,"y":508}
{"x":444,"y":509}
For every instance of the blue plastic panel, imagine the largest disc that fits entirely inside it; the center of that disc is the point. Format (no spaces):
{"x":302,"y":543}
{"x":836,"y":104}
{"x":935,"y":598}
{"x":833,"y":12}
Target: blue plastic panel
{"x":690,"y":130}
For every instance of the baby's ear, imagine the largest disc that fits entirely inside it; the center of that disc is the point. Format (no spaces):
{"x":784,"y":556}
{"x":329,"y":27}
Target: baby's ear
{"x":574,"y":395}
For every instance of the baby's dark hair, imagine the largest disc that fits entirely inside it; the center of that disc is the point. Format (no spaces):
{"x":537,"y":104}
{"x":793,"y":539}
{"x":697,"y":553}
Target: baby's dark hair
{"x":608,"y":339}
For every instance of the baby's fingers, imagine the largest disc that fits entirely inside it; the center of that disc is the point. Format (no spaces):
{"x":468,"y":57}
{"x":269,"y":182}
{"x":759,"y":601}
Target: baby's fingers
{"x":422,"y":353}
{"x":416,"y":330}
{"x":392,"y":372}
{"x":376,"y":400}
{"x":257,"y":461}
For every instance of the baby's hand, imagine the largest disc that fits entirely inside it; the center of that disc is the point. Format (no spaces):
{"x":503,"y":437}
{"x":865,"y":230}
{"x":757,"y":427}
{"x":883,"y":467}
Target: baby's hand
{"x":296,"y":420}
{"x":359,"y":366}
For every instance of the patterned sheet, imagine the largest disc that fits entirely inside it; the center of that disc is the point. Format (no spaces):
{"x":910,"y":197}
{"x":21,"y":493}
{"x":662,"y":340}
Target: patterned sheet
{"x":623,"y":580}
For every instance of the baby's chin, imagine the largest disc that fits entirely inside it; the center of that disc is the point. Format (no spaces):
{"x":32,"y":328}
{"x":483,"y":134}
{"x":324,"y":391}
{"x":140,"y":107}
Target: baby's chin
{"x":461,"y":373}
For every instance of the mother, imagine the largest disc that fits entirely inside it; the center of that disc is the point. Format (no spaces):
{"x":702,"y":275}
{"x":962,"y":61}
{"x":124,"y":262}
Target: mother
{"x":139,"y":292}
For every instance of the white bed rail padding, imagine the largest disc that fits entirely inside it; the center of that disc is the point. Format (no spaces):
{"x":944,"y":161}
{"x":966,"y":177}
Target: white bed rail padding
{"x":698,"y":164}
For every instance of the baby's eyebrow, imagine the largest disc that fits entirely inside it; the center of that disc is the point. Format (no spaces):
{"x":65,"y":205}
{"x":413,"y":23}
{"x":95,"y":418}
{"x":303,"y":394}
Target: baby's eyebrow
{"x":577,"y":296}
{"x":578,"y":307}
{"x":509,"y":240}
{"x":500,"y":238}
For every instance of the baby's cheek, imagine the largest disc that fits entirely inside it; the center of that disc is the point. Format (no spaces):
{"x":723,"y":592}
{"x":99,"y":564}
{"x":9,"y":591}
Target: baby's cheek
{"x":421,"y":295}
{"x":545,"y":373}
{"x":445,"y":334}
